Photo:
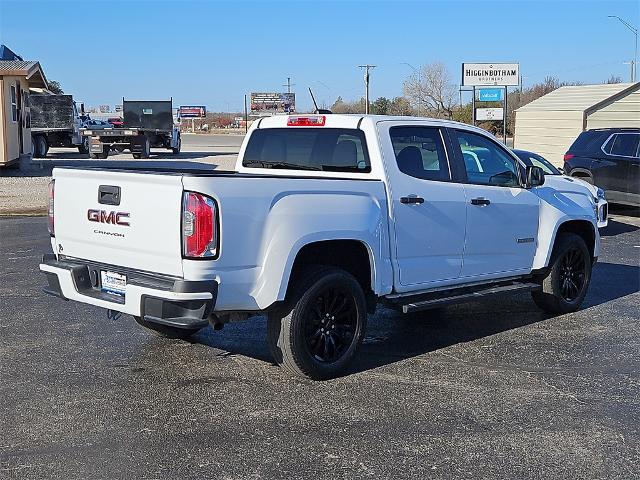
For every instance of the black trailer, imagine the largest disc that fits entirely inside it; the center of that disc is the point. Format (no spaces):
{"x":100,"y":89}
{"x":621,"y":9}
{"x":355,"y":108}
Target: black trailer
{"x":55,"y":122}
{"x":146,"y":124}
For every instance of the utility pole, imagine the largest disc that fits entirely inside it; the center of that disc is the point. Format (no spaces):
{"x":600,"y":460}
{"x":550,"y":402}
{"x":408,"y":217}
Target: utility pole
{"x":289,"y":85}
{"x":634,"y":62}
{"x":366,"y":85}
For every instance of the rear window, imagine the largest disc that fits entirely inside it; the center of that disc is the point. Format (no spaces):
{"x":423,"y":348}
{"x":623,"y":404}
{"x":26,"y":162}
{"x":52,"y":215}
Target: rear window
{"x":325,"y":149}
{"x":588,"y":142}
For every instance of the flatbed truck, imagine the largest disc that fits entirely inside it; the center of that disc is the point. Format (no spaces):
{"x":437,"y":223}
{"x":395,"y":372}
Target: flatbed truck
{"x":55,"y":122}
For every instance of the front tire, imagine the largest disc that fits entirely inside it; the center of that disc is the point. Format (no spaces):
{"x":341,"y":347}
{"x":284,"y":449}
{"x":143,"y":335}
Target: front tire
{"x":565,"y":286}
{"x":177,"y":148}
{"x":318,"y":334}
{"x":167,"y":331}
{"x":83,"y":148}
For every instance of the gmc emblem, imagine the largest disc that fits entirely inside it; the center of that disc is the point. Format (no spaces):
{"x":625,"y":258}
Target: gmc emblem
{"x":113,"y":218}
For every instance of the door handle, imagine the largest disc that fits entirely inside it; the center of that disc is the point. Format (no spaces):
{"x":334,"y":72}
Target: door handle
{"x":407,"y":200}
{"x":480,"y":201}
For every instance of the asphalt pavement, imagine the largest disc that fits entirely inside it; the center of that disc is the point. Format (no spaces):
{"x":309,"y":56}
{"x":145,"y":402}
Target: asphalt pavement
{"x":490,"y":389}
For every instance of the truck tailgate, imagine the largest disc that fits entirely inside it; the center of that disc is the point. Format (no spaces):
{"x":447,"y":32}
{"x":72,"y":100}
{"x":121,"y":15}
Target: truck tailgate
{"x":146,"y":237}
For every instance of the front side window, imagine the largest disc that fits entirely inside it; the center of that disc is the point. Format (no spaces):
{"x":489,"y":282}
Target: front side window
{"x":14,"y":104}
{"x":624,"y":145}
{"x":486,"y":163}
{"x":420,"y":152}
{"x":314,"y":148}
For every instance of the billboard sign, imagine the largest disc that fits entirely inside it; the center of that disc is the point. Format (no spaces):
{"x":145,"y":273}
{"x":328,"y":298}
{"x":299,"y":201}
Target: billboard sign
{"x":192,"y":111}
{"x":489,"y":114}
{"x":491,"y":94}
{"x":273,"y":102}
{"x":488,"y":74}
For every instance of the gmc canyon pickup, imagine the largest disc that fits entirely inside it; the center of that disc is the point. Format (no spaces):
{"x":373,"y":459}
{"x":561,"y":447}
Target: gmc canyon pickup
{"x":324,"y":218}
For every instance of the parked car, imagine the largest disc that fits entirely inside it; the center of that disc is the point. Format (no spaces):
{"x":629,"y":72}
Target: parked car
{"x":96,"y":124}
{"x":533,"y":159}
{"x":609,"y":158}
{"x":325,"y":217}
{"x":116,"y":121}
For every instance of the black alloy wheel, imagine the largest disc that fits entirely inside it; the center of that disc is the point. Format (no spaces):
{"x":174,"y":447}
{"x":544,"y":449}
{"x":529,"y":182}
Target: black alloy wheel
{"x":572,"y":274}
{"x":330,"y":326}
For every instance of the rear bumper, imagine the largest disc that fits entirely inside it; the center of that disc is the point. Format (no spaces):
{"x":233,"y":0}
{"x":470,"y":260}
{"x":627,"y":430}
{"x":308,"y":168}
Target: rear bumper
{"x":170,"y":301}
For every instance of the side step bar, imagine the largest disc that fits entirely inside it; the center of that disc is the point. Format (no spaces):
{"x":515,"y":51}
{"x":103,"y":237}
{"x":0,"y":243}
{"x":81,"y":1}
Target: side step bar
{"x":417,"y":303}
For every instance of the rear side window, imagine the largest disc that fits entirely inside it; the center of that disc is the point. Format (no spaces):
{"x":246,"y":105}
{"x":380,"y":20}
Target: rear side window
{"x":315,"y":148}
{"x":623,"y":144}
{"x":420,"y":152}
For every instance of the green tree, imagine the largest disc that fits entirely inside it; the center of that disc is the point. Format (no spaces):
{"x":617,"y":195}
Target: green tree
{"x":54,"y":87}
{"x":381,"y":106}
{"x":400,"y":106}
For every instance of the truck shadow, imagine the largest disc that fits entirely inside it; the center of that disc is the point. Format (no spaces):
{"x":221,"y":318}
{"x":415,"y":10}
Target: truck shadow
{"x":616,"y":228}
{"x":392,"y":337}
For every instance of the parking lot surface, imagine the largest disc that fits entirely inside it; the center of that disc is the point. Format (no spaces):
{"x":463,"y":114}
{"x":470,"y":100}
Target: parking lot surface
{"x":490,"y":389}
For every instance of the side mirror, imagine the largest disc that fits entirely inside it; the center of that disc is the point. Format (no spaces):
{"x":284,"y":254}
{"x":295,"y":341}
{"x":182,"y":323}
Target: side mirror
{"x":534,"y":177}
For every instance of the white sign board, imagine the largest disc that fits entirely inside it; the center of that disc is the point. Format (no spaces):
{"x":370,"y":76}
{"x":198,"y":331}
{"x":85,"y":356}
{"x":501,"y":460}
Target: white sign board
{"x":489,"y":114}
{"x":485,"y":74}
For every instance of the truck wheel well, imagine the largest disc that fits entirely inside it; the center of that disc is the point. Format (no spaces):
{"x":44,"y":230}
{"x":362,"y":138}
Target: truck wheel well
{"x":349,"y":255}
{"x":582,"y":228}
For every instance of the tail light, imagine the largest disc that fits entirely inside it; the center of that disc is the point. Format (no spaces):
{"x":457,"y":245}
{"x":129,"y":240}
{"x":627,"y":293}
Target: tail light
{"x":568,"y":156}
{"x":199,"y":226}
{"x":50,"y":211}
{"x":306,"y":121}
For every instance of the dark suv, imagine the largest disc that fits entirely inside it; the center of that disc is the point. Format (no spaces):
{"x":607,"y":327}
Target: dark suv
{"x":610,"y":159}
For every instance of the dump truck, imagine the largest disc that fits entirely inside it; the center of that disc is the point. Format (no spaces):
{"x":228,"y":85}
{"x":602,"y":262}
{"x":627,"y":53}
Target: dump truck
{"x":146,"y":124}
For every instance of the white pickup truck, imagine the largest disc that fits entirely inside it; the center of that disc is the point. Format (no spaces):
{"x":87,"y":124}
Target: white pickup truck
{"x":325,"y":217}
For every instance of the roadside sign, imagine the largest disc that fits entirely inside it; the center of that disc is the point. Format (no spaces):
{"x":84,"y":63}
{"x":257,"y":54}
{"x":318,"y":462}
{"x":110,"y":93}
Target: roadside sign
{"x":273,"y":102}
{"x":487,"y":74}
{"x":192,"y":111}
{"x":489,"y":114}
{"x":491,"y":94}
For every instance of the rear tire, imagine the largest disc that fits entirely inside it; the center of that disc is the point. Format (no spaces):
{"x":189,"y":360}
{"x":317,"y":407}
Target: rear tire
{"x":586,"y":178}
{"x":40,"y":146}
{"x":565,"y":286}
{"x":318,"y":334}
{"x":146,"y":148}
{"x":166,"y":331}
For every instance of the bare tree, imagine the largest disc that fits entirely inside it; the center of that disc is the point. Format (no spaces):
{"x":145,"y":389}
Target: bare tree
{"x":432,"y":90}
{"x":614,"y":79}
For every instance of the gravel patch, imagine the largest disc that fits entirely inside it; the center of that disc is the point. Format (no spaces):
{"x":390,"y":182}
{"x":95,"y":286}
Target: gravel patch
{"x":23,"y":195}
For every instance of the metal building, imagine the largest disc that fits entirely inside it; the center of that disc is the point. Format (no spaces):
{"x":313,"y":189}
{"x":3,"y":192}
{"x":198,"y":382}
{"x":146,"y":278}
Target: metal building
{"x":550,"y":124}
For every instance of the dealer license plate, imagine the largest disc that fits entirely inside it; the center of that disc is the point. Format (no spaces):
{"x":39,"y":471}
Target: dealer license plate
{"x":113,"y":283}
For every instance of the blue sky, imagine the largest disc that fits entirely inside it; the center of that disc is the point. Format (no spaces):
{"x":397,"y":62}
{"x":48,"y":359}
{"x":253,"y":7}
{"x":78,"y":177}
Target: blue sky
{"x":213,"y":52}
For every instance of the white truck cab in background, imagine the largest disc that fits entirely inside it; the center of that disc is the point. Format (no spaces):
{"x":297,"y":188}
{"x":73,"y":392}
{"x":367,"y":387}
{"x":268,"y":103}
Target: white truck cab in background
{"x":324,"y":217}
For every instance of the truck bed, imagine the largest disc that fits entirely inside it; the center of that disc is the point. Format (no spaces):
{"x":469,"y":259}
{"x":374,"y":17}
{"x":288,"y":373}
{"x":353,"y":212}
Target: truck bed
{"x":49,"y":112}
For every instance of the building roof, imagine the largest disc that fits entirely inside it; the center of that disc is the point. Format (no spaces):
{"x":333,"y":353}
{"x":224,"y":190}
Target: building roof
{"x":29,"y":69}
{"x":7,"y":54}
{"x":580,"y":97}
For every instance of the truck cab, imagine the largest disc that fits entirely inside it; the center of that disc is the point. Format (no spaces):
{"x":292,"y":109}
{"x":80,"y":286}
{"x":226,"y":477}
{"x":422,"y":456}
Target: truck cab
{"x":323,"y":218}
